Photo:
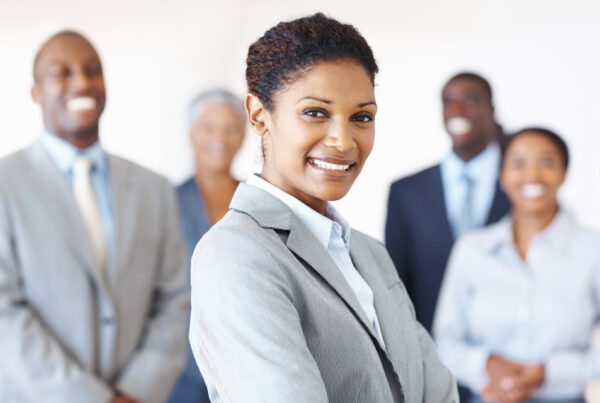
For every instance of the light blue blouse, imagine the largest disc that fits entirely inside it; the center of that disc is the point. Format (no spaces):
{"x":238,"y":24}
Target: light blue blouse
{"x":542,"y":309}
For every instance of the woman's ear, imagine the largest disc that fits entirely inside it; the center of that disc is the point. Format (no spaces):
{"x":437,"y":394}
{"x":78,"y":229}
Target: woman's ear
{"x":257,"y":114}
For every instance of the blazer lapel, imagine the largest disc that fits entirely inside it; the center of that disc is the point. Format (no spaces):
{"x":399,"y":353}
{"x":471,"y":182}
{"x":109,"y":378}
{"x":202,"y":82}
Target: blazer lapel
{"x":439,"y":214}
{"x":270,"y":212}
{"x":500,"y":205}
{"x":56,"y":192}
{"x":393,"y":334}
{"x":125,"y":205}
{"x":304,"y":245}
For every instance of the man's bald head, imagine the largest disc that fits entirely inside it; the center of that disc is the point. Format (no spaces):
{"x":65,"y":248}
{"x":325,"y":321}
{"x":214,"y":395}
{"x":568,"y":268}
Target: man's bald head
{"x":53,"y":38}
{"x":69,"y":87}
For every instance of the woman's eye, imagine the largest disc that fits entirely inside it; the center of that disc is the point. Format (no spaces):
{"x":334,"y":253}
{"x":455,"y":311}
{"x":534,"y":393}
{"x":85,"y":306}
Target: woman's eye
{"x":94,"y":70}
{"x":546,"y":163}
{"x":517,"y":164}
{"x":363,"y":118}
{"x":315,"y":113}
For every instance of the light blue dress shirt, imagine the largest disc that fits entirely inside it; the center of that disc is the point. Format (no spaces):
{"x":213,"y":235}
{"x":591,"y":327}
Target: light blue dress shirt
{"x":483,"y":170}
{"x":539,"y":310}
{"x":333,"y":232}
{"x":63,"y":154}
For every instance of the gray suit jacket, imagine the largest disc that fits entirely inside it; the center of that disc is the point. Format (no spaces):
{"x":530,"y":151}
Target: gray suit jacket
{"x":66,"y":333}
{"x":274,"y":320}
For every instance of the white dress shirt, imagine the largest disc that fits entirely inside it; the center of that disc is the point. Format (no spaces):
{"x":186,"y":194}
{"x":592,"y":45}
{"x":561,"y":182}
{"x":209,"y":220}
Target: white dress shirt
{"x":483,"y":171}
{"x":539,"y":310}
{"x":333,"y":232}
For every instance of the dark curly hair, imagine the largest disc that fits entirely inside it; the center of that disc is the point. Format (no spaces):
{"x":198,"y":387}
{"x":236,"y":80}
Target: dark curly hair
{"x":560,"y":144}
{"x":289,"y":49}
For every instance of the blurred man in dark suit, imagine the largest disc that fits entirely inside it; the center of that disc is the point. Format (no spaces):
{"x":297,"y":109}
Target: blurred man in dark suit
{"x":427,"y":211}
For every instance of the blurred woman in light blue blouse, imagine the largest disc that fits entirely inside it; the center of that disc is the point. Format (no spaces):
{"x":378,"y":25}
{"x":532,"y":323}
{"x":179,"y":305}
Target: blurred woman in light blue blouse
{"x":217,"y":130}
{"x":520,"y":298}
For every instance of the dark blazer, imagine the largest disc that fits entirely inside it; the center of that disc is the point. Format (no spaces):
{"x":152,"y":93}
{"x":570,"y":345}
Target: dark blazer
{"x":419,"y":237}
{"x":190,"y":387}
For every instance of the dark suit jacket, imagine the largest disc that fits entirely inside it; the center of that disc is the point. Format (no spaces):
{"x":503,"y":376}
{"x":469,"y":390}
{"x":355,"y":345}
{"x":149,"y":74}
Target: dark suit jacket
{"x":419,"y":237}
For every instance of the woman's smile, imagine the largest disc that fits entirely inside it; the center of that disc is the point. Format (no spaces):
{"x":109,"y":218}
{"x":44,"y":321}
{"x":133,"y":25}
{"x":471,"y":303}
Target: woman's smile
{"x":331,"y":166}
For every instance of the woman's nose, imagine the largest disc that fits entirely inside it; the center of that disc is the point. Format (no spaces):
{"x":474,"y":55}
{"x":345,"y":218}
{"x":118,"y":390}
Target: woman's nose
{"x":340,"y":137}
{"x":532,"y":173}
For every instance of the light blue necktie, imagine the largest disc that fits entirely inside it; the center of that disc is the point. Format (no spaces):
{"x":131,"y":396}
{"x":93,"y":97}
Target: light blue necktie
{"x":465,"y":221}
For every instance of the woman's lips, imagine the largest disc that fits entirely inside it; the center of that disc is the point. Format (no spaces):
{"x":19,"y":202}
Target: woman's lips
{"x":533,"y":190}
{"x":332,"y":166}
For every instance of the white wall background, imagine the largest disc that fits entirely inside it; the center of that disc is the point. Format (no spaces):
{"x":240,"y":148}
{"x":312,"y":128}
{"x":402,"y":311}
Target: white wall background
{"x":541,"y":56}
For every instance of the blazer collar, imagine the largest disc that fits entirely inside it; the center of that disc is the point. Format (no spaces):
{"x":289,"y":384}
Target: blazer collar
{"x":270,"y":212}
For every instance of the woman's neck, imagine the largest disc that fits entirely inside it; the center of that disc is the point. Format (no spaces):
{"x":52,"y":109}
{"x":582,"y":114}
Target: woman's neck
{"x":527,"y":225}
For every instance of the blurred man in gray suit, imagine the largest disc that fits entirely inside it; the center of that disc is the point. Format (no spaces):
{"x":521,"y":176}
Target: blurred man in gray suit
{"x":93,"y":297}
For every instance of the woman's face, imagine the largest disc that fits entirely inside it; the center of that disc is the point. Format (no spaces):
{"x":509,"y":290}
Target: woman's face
{"x":533,"y":171}
{"x":217,"y":135}
{"x":319,"y":133}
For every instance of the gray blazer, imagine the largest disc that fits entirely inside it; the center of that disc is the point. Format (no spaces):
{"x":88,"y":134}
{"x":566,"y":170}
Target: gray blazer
{"x":274,"y":320}
{"x":66,"y":333}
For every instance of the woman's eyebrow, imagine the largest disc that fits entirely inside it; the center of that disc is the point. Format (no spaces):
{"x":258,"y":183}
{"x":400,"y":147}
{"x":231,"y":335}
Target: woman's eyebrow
{"x":325,"y":101}
{"x":362,"y":105}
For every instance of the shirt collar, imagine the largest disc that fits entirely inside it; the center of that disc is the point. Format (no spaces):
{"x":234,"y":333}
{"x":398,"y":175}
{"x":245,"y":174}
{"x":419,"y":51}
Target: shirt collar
{"x":64,"y":153}
{"x":558,"y":234}
{"x":483,"y":166}
{"x":319,"y":225}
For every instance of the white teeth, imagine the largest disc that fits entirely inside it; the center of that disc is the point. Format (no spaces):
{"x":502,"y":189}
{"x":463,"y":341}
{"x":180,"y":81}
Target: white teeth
{"x":533,"y":190}
{"x":330,"y":166}
{"x":81,"y":104}
{"x":458,"y":126}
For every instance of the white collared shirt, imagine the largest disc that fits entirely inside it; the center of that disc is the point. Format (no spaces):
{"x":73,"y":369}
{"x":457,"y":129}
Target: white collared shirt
{"x":333,"y":232}
{"x":540,"y":310}
{"x":483,"y":170}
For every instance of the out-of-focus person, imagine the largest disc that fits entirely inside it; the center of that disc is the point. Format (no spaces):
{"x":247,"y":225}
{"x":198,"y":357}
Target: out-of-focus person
{"x":429,"y":210}
{"x":289,"y":303}
{"x":217,"y":129}
{"x":521,"y":297}
{"x":93,"y":296}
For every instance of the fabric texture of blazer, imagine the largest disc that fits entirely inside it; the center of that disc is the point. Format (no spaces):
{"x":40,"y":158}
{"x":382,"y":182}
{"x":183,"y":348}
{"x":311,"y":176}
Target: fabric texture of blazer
{"x":274,"y":320}
{"x":419,"y":237}
{"x":67,"y":333}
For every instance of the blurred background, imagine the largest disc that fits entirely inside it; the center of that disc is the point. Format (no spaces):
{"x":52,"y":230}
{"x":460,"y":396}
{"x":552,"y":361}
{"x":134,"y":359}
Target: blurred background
{"x":542,"y":58}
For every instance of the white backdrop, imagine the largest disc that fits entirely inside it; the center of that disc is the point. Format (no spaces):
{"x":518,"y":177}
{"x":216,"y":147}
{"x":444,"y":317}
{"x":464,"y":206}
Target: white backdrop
{"x":541,"y":56}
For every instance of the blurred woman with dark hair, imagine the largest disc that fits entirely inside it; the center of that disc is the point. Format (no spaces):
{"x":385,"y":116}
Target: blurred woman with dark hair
{"x":289,"y":303}
{"x":520,"y":298}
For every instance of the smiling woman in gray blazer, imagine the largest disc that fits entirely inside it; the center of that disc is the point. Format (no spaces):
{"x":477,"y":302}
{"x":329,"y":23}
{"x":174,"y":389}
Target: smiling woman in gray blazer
{"x":289,"y":304}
